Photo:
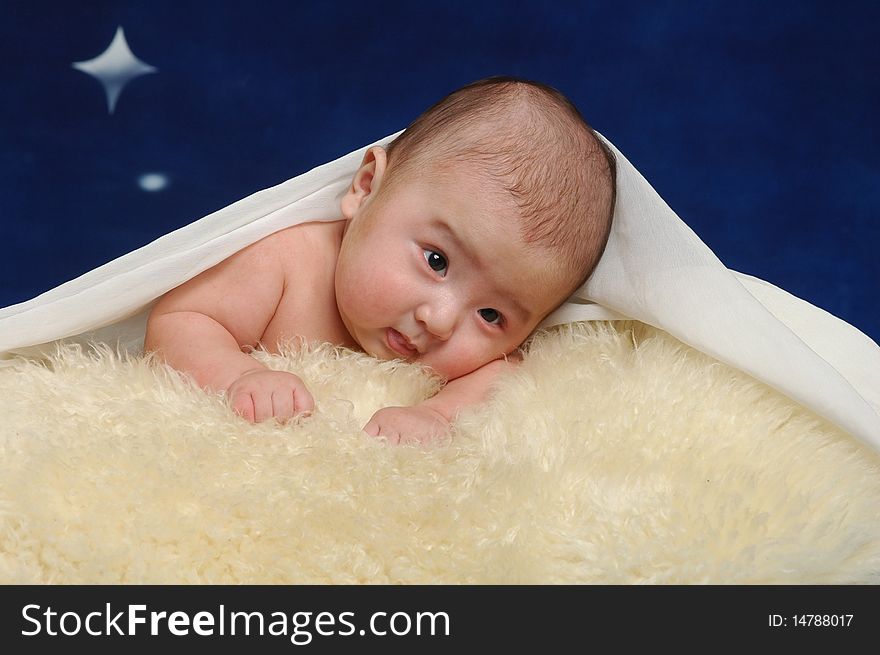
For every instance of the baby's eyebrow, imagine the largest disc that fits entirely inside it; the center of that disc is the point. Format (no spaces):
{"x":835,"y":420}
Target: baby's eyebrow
{"x":458,"y":242}
{"x":524,"y":314}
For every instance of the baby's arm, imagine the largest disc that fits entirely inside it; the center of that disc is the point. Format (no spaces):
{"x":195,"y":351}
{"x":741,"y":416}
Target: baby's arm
{"x":201,"y":326}
{"x":430,"y":419}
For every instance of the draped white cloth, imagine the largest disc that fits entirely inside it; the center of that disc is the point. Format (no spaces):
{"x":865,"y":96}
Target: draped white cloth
{"x":655,"y":270}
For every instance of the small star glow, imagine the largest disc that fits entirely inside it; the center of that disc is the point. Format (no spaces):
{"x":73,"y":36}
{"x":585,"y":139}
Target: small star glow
{"x":153,"y":181}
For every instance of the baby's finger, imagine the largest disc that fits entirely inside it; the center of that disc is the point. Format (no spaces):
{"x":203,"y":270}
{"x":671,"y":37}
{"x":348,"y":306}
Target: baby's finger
{"x":372,"y":428}
{"x":303,"y":401}
{"x":282,"y":404}
{"x":243,"y":405}
{"x":375,"y":429}
{"x":262,"y":406}
{"x":392,"y":436}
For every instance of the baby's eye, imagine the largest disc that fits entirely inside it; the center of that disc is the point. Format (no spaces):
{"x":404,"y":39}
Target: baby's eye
{"x":491,"y":316}
{"x":436,"y":261}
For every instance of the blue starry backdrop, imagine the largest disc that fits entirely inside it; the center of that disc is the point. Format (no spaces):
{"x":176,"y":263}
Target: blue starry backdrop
{"x":756,"y":121}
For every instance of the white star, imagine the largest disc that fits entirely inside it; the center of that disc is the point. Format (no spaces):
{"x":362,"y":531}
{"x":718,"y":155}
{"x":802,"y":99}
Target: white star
{"x":115,"y":67}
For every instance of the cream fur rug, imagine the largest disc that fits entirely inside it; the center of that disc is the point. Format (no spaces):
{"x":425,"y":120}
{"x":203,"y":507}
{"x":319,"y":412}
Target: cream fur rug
{"x":614,"y":455}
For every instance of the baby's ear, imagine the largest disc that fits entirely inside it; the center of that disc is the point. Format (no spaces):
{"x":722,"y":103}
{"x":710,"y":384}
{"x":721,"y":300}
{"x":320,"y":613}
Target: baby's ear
{"x":366,"y":182}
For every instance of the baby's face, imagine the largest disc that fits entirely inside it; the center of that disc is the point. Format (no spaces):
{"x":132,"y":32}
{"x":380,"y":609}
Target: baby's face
{"x":434,"y":271}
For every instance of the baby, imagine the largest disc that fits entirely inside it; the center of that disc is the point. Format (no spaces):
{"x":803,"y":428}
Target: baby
{"x":455,"y":242}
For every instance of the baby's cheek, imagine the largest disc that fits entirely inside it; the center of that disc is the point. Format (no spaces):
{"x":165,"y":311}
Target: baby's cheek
{"x":369,"y":287}
{"x":460,"y":359}
{"x":355,"y":296}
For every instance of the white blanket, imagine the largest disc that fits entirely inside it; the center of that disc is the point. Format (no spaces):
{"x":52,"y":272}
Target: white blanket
{"x":655,"y":270}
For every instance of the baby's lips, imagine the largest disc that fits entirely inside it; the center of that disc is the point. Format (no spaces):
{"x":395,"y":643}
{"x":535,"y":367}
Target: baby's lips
{"x":401,"y":344}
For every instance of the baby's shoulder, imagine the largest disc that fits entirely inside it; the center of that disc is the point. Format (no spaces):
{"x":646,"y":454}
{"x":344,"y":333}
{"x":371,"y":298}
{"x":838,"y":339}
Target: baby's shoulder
{"x":308,"y":244}
{"x":305,"y":237}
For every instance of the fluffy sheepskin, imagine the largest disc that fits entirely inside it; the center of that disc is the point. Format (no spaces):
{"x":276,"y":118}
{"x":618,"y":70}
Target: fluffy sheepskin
{"x":615,"y":454}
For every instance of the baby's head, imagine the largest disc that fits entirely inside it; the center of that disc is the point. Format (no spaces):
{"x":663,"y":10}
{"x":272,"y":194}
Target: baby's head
{"x":474,"y":224}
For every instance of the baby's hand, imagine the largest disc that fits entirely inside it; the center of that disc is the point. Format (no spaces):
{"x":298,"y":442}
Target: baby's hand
{"x":263,"y":394}
{"x":397,"y":424}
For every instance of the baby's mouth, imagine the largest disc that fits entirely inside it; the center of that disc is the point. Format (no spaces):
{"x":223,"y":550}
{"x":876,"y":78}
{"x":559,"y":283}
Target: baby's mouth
{"x":399,"y":343}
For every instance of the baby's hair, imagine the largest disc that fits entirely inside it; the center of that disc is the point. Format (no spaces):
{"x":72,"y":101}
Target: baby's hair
{"x":534,"y":140}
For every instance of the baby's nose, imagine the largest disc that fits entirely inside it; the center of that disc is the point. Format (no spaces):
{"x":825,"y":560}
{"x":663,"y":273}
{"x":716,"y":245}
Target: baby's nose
{"x":438,"y":319}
